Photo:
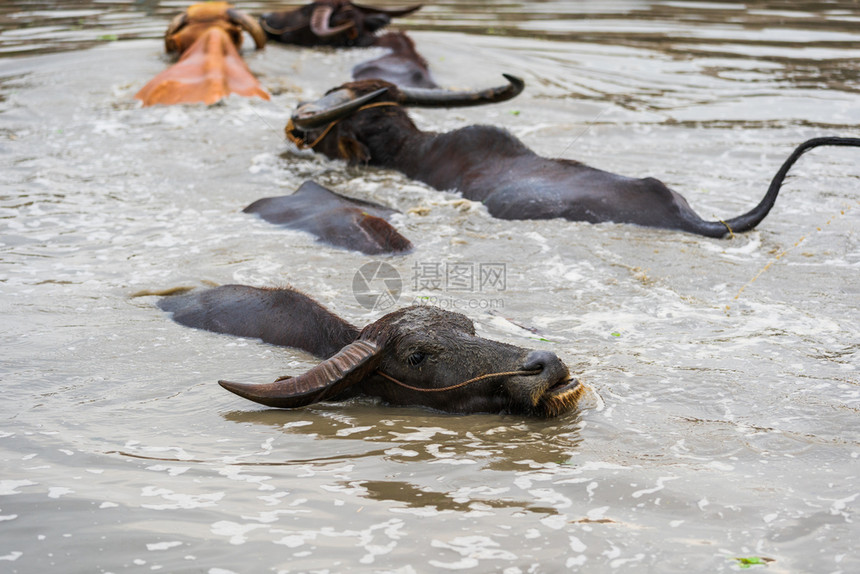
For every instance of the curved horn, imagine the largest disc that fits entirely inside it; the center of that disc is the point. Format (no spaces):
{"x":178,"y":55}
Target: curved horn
{"x":393,"y":12}
{"x":435,"y":98}
{"x":320,"y":23}
{"x":342,"y":104}
{"x":250,"y":25}
{"x":175,"y":25}
{"x":268,"y":25}
{"x":348,"y":367}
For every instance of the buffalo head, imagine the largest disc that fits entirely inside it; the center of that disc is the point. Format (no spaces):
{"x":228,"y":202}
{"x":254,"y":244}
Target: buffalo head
{"x":188,"y":26}
{"x":425,"y":356}
{"x":342,"y":122}
{"x":338,"y":23}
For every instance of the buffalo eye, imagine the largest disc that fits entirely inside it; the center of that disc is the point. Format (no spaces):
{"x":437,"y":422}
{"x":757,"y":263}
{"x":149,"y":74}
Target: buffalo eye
{"x":416,"y":358}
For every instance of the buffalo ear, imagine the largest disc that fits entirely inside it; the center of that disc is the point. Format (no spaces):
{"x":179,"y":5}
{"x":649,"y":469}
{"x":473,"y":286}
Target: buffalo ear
{"x":353,"y":150}
{"x":348,"y":367}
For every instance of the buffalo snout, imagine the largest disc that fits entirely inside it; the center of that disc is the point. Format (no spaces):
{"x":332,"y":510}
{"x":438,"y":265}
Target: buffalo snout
{"x":546,"y":363}
{"x":543,"y":373}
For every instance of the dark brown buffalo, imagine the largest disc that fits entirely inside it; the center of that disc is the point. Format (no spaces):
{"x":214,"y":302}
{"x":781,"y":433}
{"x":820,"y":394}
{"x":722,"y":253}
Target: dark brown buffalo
{"x":366,"y":123}
{"x":416,"y":356}
{"x":337,"y":23}
{"x":402,"y":65}
{"x":334,"y":219}
{"x":207,"y":38}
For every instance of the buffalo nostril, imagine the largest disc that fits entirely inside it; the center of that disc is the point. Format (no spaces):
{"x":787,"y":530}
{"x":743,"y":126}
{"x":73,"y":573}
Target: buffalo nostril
{"x":539,"y":360}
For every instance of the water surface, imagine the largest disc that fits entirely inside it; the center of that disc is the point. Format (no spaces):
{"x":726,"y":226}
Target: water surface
{"x":727,"y":368}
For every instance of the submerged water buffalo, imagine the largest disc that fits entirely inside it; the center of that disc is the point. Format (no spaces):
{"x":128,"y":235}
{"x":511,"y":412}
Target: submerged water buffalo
{"x":402,"y":65}
{"x":206,"y":37}
{"x":338,"y":23}
{"x":364,"y":122}
{"x":334,"y":219}
{"x":416,"y":356}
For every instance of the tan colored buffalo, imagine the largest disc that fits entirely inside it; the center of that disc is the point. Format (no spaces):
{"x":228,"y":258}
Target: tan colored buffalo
{"x":207,"y":38}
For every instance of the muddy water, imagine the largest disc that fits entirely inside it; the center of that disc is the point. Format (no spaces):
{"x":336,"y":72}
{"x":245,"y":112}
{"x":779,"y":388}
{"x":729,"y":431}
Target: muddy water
{"x":728,"y":426}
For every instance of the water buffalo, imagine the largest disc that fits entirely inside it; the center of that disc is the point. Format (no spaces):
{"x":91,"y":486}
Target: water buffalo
{"x":338,"y":23}
{"x":402,"y":65}
{"x":364,"y":122}
{"x":334,"y":219}
{"x":206,"y":37}
{"x":416,"y":356}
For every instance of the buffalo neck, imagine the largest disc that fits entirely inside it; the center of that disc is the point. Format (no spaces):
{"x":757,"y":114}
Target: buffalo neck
{"x":461,"y":159}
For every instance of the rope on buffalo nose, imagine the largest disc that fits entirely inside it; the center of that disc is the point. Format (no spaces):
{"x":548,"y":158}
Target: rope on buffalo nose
{"x":458,"y":385}
{"x":302,"y":144}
